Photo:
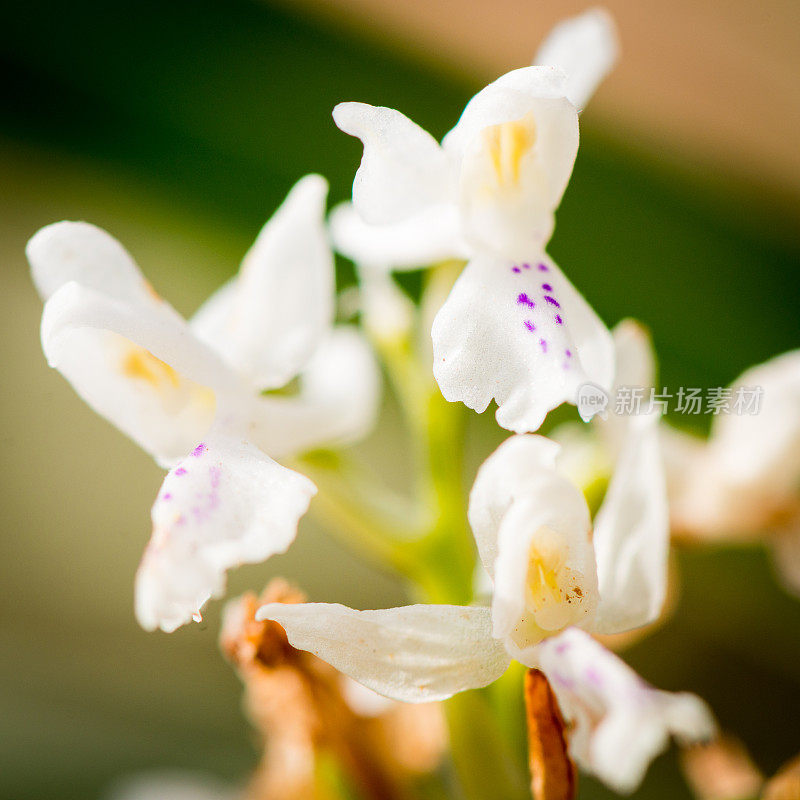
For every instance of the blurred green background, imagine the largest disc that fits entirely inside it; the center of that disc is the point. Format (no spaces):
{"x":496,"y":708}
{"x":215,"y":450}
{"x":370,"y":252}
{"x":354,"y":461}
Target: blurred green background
{"x":179,"y":127}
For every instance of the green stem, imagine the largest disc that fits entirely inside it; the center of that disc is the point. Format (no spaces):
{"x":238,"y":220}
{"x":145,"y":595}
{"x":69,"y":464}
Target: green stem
{"x":446,"y":551}
{"x":364,"y":516}
{"x":480,"y":753}
{"x":429,"y":542}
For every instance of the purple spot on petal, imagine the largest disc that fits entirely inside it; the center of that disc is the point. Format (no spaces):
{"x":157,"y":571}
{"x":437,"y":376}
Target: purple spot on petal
{"x":529,"y":325}
{"x":200,"y":449}
{"x":213,"y":497}
{"x":180,"y":471}
{"x":562,"y":647}
{"x":547,"y":287}
{"x":515,"y":269}
{"x":559,"y":320}
{"x":594,"y":677}
{"x":526,"y":266}
{"x":166,"y":496}
{"x":552,"y":301}
{"x":208,"y":499}
{"x":543,"y":343}
{"x":544,"y":268}
{"x":565,"y":681}
{"x":568,"y":353}
{"x":524,"y":300}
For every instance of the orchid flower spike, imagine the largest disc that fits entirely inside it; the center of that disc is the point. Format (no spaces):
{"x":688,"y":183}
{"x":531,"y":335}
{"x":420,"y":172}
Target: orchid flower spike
{"x":555,"y":582}
{"x":514,"y":329}
{"x":744,"y":482}
{"x":192,"y":393}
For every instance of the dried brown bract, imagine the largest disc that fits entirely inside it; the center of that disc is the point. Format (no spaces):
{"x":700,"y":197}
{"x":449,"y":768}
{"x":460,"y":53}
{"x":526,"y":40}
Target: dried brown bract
{"x":553,"y":775}
{"x":303,"y":708}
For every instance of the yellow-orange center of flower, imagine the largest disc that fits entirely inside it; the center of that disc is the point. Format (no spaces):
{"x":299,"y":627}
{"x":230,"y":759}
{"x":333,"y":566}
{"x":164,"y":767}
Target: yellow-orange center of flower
{"x":507,"y":144}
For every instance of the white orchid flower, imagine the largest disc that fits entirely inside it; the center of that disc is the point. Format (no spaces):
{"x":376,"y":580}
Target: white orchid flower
{"x":514,"y":329}
{"x":192,"y":393}
{"x":497,"y":177}
{"x":554,"y":583}
{"x":744,"y":482}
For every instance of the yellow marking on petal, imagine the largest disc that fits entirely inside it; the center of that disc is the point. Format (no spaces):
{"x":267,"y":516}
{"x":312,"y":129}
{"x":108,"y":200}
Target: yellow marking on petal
{"x":204,"y":396}
{"x":141,"y":364}
{"x":507,"y":144}
{"x":542,"y":577}
{"x":555,"y":593}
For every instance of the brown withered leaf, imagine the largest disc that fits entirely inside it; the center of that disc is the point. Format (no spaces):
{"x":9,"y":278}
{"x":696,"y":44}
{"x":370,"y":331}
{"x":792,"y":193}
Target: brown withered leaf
{"x":247,"y":643}
{"x":553,"y":775}
{"x":296,"y":702}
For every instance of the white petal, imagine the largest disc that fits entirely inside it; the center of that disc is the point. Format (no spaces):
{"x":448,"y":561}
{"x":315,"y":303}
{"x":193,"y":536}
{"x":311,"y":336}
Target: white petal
{"x":80,"y":252}
{"x":225,"y":504}
{"x":387,"y":312}
{"x":508,"y":98}
{"x":521,"y":510}
{"x":585,"y":48}
{"x":498,"y":336}
{"x":403,"y":169}
{"x":634,"y":368}
{"x":620,"y":722}
{"x":338,"y":402}
{"x":269,"y":320}
{"x":550,"y":529}
{"x":634,"y":356}
{"x":414,"y":653}
{"x":139,"y":367}
{"x":631,"y":533}
{"x":517,"y":140}
{"x":506,"y":475}
{"x":763,"y":450}
{"x":414,"y":242}
{"x":745,"y":479}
